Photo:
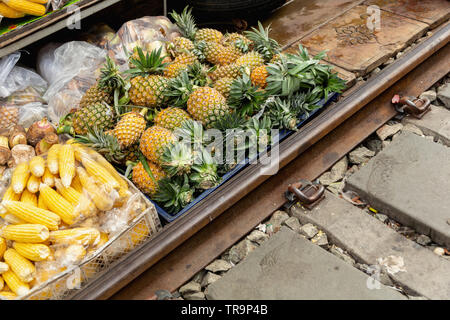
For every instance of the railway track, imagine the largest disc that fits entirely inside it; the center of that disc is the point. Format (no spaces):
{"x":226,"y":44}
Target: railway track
{"x":190,"y":243}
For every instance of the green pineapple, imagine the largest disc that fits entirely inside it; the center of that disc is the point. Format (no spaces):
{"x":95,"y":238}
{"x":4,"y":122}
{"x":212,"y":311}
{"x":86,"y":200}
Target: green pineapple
{"x":204,"y":174}
{"x":98,"y":115}
{"x":263,"y":44}
{"x":177,"y":159}
{"x":174,"y":194}
{"x":245,"y":98}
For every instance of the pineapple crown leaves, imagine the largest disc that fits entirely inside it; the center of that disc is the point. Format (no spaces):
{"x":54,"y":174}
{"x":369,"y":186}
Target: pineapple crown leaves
{"x":244,"y":97}
{"x":179,"y":90}
{"x":199,"y":50}
{"x":110,"y":77}
{"x":177,"y":159}
{"x":204,"y":174}
{"x":282,"y":114}
{"x":265,"y":45}
{"x":191,"y":131}
{"x":199,"y":74}
{"x":229,"y":121}
{"x":174,"y":194}
{"x":149,"y":63}
{"x":186,"y":22}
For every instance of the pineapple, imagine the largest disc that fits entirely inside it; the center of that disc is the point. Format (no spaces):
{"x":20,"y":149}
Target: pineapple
{"x":263,"y":44}
{"x":186,"y":22}
{"x":284,"y":113}
{"x":132,"y":154}
{"x":231,"y":70}
{"x":216,"y":53}
{"x":186,"y":58}
{"x":206,"y":104}
{"x":223,"y":85}
{"x":208,"y":35}
{"x":129,"y":129}
{"x":153,"y":141}
{"x":259,"y":76}
{"x":171,"y":118}
{"x":147,"y":183}
{"x":9,"y":117}
{"x":244,"y":97}
{"x":204,"y":174}
{"x":147,"y":85}
{"x":250,"y":60}
{"x":174,"y":69}
{"x":180,"y":45}
{"x":177,"y":159}
{"x":98,"y":115}
{"x":174,"y":194}
{"x":237,"y":41}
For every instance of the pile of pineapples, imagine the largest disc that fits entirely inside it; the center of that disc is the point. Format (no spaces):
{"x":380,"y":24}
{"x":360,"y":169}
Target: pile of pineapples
{"x":209,"y":80}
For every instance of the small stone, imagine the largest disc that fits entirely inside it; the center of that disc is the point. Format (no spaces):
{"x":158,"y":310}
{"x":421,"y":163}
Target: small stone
{"x":210,"y":278}
{"x":381,"y":217}
{"x":439,"y":251}
{"x":341,"y":254}
{"x":195,"y":296}
{"x":399,"y":55}
{"x":375,"y":145}
{"x":336,"y":173}
{"x":443,"y":94}
{"x":430,"y":94}
{"x":308,"y":230}
{"x":241,"y":250}
{"x":199,"y":276}
{"x":406,"y":231}
{"x":258,"y":236}
{"x":219,"y":265}
{"x":376,"y":70}
{"x":360,"y":155}
{"x":387,"y":131}
{"x":389,"y":61}
{"x":423,"y":240}
{"x":293,"y":223}
{"x":190,"y":287}
{"x":277,"y":219}
{"x":320,"y":239}
{"x":412,"y":128}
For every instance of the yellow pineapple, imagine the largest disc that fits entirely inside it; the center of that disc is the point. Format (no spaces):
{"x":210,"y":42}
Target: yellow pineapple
{"x":216,"y":53}
{"x":207,"y":34}
{"x":142,"y":179}
{"x":148,"y":91}
{"x":206,"y":105}
{"x":174,"y":69}
{"x":153,"y":141}
{"x":231,"y":70}
{"x":130,"y":128}
{"x":259,"y":76}
{"x":223,"y":85}
{"x":171,"y":118}
{"x":250,"y":60}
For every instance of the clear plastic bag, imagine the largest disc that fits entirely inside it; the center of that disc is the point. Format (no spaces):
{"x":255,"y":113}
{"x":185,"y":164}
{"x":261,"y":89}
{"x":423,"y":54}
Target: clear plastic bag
{"x":149,"y":33}
{"x":99,"y":35}
{"x":71,"y":69}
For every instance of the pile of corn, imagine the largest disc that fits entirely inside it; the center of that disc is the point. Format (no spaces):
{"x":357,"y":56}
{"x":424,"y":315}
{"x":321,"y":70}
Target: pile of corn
{"x":51,"y":208}
{"x":14,"y":9}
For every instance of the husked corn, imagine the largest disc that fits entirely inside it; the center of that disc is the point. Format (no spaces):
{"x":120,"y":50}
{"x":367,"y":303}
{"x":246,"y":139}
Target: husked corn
{"x":9,"y":195}
{"x":108,"y":166}
{"x":52,"y":159}
{"x":66,"y":162}
{"x":2,"y":283}
{"x":32,"y":214}
{"x":27,"y":7}
{"x":28,"y":197}
{"x":33,"y":184}
{"x":83,"y":205}
{"x":2,"y":247}
{"x":56,"y":203}
{"x":37,"y":166}
{"x":83,"y":236}
{"x":8,"y":295}
{"x":76,"y":184}
{"x":41,"y":203}
{"x":20,"y":177}
{"x":3,"y":268}
{"x":31,"y":233}
{"x":21,"y":266}
{"x":9,"y":12}
{"x":102,"y":175}
{"x":12,"y":219}
{"x":32,"y":251}
{"x":102,"y":200}
{"x":15,"y":284}
{"x":48,"y":178}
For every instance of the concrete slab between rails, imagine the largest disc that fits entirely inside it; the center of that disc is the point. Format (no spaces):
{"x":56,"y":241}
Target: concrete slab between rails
{"x":409,"y":181}
{"x":289,"y":267}
{"x":367,"y":239}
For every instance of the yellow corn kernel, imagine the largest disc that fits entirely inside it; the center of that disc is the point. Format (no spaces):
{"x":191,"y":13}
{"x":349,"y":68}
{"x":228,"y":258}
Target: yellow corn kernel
{"x":9,"y":12}
{"x":33,"y":184}
{"x":76,"y":184}
{"x":37,"y":166}
{"x":20,"y":177}
{"x":83,"y":236}
{"x":52,"y":159}
{"x":9,"y":195}
{"x":2,"y":247}
{"x":12,"y":219}
{"x":39,"y":1}
{"x":83,"y":205}
{"x":8,"y":295}
{"x":104,"y":238}
{"x":21,"y":266}
{"x":101,"y":199}
{"x":32,"y":214}
{"x":66,"y":162}
{"x":15,"y":284}
{"x":41,"y":203}
{"x":108,"y":166}
{"x":3,"y":267}
{"x":56,"y":203}
{"x":32,"y":251}
{"x":31,"y":233}
{"x":102,"y":175}
{"x":2,"y":283}
{"x":28,"y":197}
{"x":27,"y":7}
{"x":48,"y":178}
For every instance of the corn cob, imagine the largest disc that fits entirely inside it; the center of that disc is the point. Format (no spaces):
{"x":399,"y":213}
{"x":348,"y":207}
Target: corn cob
{"x":27,"y":7}
{"x":41,"y":203}
{"x":76,"y":184}
{"x":83,"y":205}
{"x":83,"y":236}
{"x":21,"y":266}
{"x":33,"y":214}
{"x":9,"y":195}
{"x":101,"y":199}
{"x":2,"y":283}
{"x":2,"y":247}
{"x":32,"y":251}
{"x":9,"y":12}
{"x":15,"y":284}
{"x":37,"y":166}
{"x":33,"y":184}
{"x":39,"y":1}
{"x":103,"y":240}
{"x":20,"y":177}
{"x":66,"y":163}
{"x":96,"y":170}
{"x":8,"y":295}
{"x":3,"y":268}
{"x":48,"y":178}
{"x":27,"y":197}
{"x":30,"y":233}
{"x":52,"y":159}
{"x":56,"y":203}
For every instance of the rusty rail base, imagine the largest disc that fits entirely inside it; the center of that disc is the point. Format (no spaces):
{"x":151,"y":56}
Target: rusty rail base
{"x":193,"y":255}
{"x":174,"y":234}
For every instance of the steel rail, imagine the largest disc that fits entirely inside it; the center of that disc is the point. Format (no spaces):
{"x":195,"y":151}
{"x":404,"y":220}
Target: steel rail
{"x":174,"y":234}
